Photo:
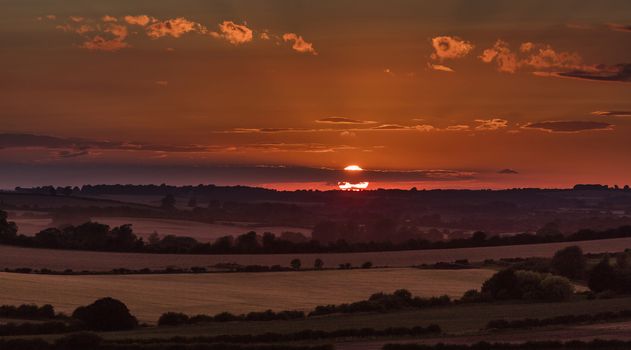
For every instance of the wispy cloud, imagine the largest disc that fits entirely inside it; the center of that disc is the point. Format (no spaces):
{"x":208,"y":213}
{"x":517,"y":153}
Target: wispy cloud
{"x":614,"y":113}
{"x":343,"y":120}
{"x":491,"y":124}
{"x":76,"y":147}
{"x":569,"y":126}
{"x":441,"y":68}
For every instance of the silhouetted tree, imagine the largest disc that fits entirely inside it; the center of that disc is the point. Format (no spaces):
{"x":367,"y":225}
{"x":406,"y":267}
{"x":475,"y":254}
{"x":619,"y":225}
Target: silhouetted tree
{"x":106,"y":314}
{"x":569,"y":262}
{"x":602,"y":277}
{"x":318,"y":264}
{"x":295,"y":264}
{"x":8,"y":229}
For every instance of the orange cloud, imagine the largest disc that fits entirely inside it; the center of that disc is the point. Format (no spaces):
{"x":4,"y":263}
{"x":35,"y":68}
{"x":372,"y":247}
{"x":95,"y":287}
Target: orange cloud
{"x":526,"y":47}
{"x":175,"y":28}
{"x":299,"y":44}
{"x":98,"y":43}
{"x":425,"y":127}
{"x":547,"y":58}
{"x":441,"y":68}
{"x":612,"y":113}
{"x":491,"y":124}
{"x":505,"y":59}
{"x":76,"y":28}
{"x":140,"y":20}
{"x":447,"y":47}
{"x":119,"y":31}
{"x":236,"y":34}
{"x":108,"y":18}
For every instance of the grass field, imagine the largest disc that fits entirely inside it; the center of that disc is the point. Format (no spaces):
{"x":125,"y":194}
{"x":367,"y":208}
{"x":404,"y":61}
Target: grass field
{"x":148,"y":296}
{"x":203,"y":232}
{"x":15,"y":257}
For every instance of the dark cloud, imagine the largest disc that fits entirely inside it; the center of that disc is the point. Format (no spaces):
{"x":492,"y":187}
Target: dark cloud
{"x":34,"y":174}
{"x":76,"y":147}
{"x":618,"y":73}
{"x":620,"y":27}
{"x":508,"y":171}
{"x":569,"y":126}
{"x":343,"y":120}
{"x":80,"y":144}
{"x":612,"y":113}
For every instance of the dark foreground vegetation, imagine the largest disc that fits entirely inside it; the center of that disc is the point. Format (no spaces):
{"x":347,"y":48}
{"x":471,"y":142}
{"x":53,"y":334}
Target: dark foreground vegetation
{"x":99,"y":237}
{"x":305,"y":335}
{"x":544,"y":345}
{"x":90,"y":341}
{"x":559,"y":320}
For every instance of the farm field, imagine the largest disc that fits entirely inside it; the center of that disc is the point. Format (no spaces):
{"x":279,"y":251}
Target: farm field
{"x":144,"y":227}
{"x":148,"y":296}
{"x":202,"y":232}
{"x":17,"y":257}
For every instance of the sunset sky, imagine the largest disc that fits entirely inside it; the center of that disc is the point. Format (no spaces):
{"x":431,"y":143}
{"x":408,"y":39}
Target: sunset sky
{"x":285,"y":94}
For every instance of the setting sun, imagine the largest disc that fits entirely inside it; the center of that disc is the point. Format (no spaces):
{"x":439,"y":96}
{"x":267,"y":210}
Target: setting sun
{"x":353,"y":168}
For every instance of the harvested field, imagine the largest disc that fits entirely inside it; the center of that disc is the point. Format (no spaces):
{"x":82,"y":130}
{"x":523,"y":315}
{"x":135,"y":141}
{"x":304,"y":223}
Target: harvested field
{"x":148,"y":296}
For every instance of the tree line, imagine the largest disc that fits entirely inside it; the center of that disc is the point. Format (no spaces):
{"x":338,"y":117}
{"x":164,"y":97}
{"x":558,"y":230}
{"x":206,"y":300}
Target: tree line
{"x":100,"y":237}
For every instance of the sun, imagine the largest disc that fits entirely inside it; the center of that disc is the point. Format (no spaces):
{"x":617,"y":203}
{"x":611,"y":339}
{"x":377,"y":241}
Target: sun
{"x":353,"y":168}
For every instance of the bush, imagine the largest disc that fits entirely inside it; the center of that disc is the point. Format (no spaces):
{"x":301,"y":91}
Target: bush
{"x":528,"y":285}
{"x":569,"y":262}
{"x":556,"y":288}
{"x":295,"y":264}
{"x":602,"y":277}
{"x":173,"y":319}
{"x":106,"y":314}
{"x":28,"y":311}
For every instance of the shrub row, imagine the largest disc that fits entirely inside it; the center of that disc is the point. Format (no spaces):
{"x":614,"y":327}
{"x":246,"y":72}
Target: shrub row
{"x":378,"y":302}
{"x":84,"y":341}
{"x":176,"y":318}
{"x":542,"y":345}
{"x":565,"y":319}
{"x":382,"y":302}
{"x":298,"y":336}
{"x":28,"y":311}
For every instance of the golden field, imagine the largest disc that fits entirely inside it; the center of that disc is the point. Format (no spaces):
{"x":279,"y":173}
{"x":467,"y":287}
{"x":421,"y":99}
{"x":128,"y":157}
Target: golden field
{"x":148,"y":296}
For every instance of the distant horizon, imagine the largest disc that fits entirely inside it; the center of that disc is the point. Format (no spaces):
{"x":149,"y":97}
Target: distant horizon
{"x":327,"y":187}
